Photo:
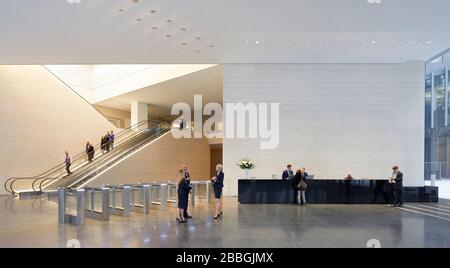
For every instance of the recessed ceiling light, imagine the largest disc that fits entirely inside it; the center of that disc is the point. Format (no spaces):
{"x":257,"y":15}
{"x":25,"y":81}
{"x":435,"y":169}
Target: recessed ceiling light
{"x":247,"y":42}
{"x":134,"y":1}
{"x":257,"y":42}
{"x":382,"y":42}
{"x":345,"y":42}
{"x":183,"y":29}
{"x":211,"y":46}
{"x":307,"y":42}
{"x":120,"y":10}
{"x":198,"y":38}
{"x":364,"y":42}
{"x":373,"y":42}
{"x":154,"y":28}
{"x":429,"y":42}
{"x":152,"y":11}
{"x":138,"y":19}
{"x":169,"y":21}
{"x":184,"y":44}
{"x":168,"y":35}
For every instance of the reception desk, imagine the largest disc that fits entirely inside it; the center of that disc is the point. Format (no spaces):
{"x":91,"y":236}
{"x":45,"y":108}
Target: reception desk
{"x":270,"y":191}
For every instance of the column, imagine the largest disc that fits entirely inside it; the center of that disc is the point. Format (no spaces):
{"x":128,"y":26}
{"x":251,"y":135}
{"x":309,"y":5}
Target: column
{"x":139,"y":113}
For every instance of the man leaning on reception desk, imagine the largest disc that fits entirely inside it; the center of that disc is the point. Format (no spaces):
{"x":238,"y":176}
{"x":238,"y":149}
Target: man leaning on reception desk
{"x":287,"y":173}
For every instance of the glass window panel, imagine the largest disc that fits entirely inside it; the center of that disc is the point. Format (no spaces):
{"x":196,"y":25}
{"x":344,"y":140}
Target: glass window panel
{"x":439,"y":89}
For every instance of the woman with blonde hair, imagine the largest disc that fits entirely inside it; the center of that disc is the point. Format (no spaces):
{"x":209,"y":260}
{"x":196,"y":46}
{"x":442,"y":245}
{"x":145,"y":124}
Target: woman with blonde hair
{"x":218,"y":185}
{"x":183,"y":194}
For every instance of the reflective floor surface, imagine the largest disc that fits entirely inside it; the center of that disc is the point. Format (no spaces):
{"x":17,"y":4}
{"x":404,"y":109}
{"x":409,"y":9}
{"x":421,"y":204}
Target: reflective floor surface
{"x":33,"y":223}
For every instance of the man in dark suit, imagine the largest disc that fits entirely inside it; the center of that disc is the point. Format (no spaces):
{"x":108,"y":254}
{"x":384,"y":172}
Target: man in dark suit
{"x":288,"y":173}
{"x":187,"y":176}
{"x":397,"y":186}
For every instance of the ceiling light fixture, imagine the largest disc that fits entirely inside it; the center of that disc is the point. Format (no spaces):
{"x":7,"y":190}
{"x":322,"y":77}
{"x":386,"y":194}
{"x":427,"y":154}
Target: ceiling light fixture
{"x":429,"y":42}
{"x":152,"y":11}
{"x":211,"y":46}
{"x":183,"y":29}
{"x":138,"y":19}
{"x":169,"y":21}
{"x":257,"y":42}
{"x":184,"y":44}
{"x":134,"y":1}
{"x":168,"y":35}
{"x":120,"y":10}
{"x":198,"y":38}
{"x":154,"y":28}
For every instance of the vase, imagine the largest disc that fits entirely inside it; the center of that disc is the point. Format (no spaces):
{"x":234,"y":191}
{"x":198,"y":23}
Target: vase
{"x":246,"y":173}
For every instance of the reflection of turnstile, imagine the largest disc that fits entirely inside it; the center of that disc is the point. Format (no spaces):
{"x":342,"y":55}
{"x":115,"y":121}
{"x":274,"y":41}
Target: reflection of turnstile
{"x":140,"y":197}
{"x":65,"y":209}
{"x":98,"y":212}
{"x":201,"y":190}
{"x":158,"y":195}
{"x":115,"y":191}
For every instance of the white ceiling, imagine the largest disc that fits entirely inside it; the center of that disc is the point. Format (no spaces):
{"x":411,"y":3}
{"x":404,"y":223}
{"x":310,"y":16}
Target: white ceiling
{"x":290,"y":31}
{"x":160,"y":97}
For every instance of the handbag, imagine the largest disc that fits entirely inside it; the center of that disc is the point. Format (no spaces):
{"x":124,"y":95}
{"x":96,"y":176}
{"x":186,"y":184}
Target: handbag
{"x":302,"y":185}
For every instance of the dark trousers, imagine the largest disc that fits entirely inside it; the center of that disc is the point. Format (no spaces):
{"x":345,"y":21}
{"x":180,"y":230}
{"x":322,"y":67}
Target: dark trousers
{"x":296,"y":196}
{"x":68,"y":169}
{"x":186,"y":207}
{"x":398,"y":192}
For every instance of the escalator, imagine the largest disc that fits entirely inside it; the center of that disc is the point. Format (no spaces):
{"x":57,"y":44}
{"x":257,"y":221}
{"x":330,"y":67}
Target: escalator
{"x":126,"y":142}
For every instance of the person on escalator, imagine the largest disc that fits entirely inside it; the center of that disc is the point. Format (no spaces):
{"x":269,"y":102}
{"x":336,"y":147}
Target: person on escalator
{"x":68,"y":162}
{"x":111,"y":140}
{"x":90,"y":151}
{"x":107,"y":142}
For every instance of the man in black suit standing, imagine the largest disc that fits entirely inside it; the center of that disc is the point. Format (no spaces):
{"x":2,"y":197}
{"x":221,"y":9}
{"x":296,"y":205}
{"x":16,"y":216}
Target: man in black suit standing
{"x":397,"y":186}
{"x":288,"y":173}
{"x":187,"y":176}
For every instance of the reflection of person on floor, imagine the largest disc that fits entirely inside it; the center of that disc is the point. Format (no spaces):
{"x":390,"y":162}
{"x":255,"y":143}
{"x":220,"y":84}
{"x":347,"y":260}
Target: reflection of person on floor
{"x":68,"y":162}
{"x":380,"y":188}
{"x":397,"y":186}
{"x":183,"y":193}
{"x":218,"y":185}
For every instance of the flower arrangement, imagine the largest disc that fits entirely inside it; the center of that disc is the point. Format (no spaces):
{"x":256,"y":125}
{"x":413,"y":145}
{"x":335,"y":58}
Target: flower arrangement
{"x":246,"y":164}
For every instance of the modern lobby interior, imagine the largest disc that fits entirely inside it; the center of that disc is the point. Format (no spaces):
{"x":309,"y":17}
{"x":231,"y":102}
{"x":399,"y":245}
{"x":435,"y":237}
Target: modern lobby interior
{"x":339,"y":88}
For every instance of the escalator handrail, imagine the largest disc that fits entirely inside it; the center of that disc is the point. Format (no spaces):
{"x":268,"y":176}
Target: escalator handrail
{"x":148,"y":129}
{"x":54,"y":169}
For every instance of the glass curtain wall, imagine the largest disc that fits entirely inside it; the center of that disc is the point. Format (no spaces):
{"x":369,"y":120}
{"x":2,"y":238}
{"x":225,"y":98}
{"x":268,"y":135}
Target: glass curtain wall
{"x":437,"y":117}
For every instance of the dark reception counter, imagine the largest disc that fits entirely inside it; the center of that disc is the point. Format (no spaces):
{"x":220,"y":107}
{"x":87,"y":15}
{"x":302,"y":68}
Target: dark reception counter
{"x":270,"y":191}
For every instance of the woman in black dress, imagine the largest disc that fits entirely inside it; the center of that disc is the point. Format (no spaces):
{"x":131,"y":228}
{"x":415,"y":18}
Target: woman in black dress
{"x":218,"y":185}
{"x":183,"y":193}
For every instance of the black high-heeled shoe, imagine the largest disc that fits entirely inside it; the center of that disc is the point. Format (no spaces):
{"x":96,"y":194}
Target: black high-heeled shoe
{"x":180,"y":221}
{"x":220,"y":214}
{"x":216,"y":217}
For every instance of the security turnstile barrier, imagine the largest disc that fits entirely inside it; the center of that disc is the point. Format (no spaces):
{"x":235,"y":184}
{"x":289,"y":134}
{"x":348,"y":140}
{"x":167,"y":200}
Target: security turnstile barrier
{"x":120,"y":200}
{"x":71,"y":206}
{"x":201,"y":190}
{"x":158,"y":195}
{"x":92,"y":197}
{"x":172,"y":192}
{"x":140,"y":197}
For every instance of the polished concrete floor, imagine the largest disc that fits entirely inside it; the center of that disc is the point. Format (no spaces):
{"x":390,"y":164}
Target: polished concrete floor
{"x":33,"y":223}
